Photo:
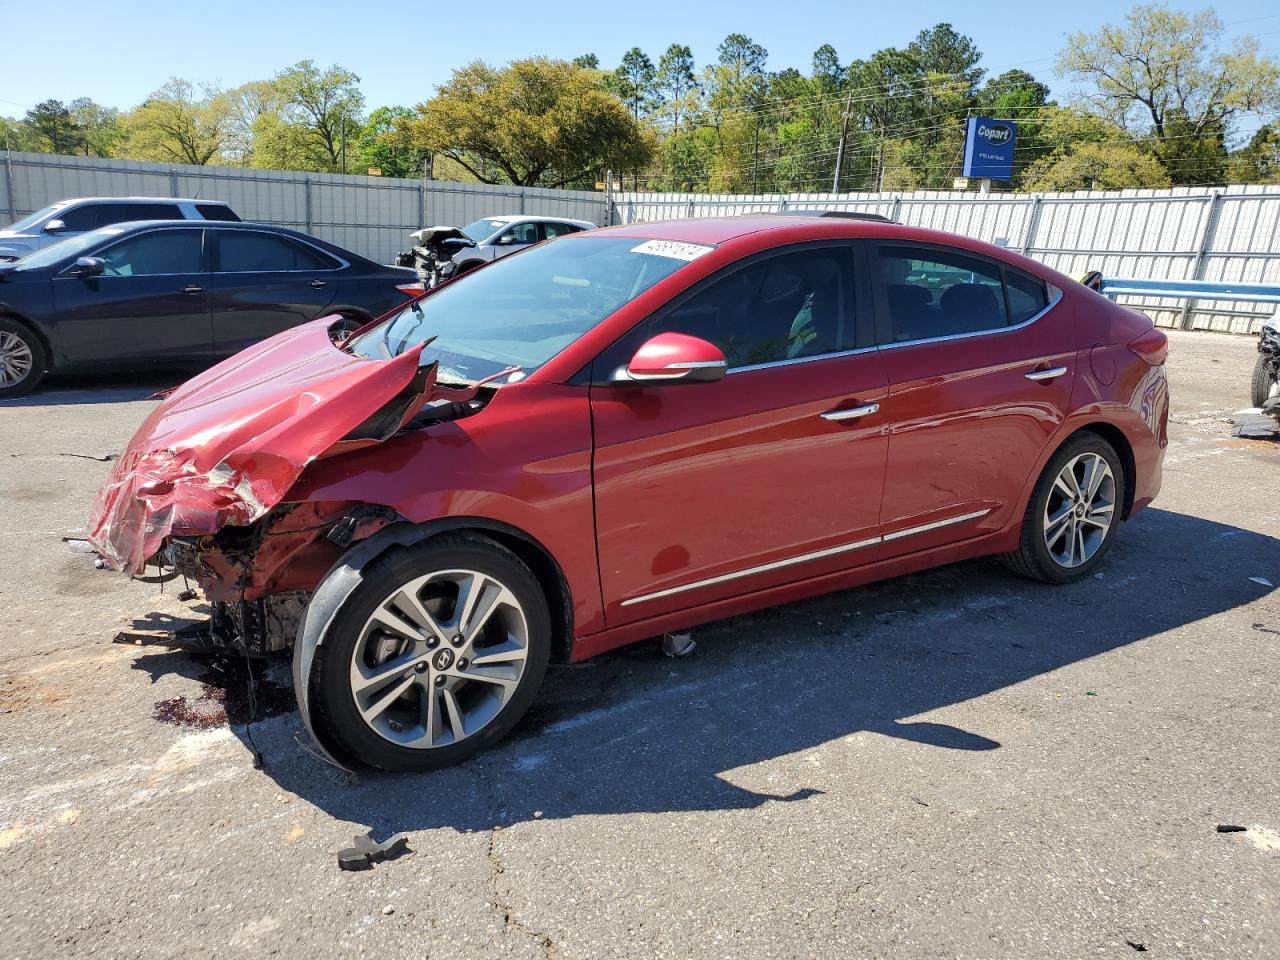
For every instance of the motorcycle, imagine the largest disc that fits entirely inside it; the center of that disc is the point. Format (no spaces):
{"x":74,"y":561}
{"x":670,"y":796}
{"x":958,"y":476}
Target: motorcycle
{"x":433,"y":252}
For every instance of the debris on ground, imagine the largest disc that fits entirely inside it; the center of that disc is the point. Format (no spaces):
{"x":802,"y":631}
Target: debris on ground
{"x":365,"y":852}
{"x":1253,"y":424}
{"x":225,"y":698}
{"x":678,"y":644}
{"x":1140,"y":947}
{"x":1231,"y":828}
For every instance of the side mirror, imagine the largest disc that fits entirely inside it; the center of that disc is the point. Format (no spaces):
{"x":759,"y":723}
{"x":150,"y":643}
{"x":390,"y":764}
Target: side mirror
{"x":676,"y":358}
{"x":89,"y":267}
{"x":506,"y":240}
{"x":54,"y":226}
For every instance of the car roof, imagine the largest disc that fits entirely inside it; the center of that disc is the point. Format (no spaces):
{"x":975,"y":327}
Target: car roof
{"x":521,"y":218}
{"x":66,"y":203}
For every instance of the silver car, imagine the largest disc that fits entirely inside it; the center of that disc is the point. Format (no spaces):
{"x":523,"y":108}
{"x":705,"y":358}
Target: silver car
{"x":497,"y":236}
{"x":69,"y":218}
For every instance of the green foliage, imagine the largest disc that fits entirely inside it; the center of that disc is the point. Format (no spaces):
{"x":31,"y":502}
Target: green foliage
{"x":1259,"y":161}
{"x":535,"y":122}
{"x":378,"y":145}
{"x":51,"y":128}
{"x":179,"y":124}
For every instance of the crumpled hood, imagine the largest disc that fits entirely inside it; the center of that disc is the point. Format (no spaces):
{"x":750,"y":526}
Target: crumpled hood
{"x":225,"y":447}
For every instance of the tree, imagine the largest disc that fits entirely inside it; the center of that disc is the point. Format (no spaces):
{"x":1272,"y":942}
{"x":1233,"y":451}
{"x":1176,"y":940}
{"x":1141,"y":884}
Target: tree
{"x":327,"y":104}
{"x":587,"y":61}
{"x":941,"y":50}
{"x":1017,"y":95}
{"x":633,"y":82}
{"x":827,"y":72}
{"x":1259,"y":161}
{"x":535,"y":122}
{"x":51,"y":128}
{"x":676,"y":82}
{"x":1164,"y":69}
{"x":377,"y":144}
{"x":1086,"y":152}
{"x":177,"y":124}
{"x":99,"y":126}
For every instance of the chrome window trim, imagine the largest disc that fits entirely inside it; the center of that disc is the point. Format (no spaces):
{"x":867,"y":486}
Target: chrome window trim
{"x":805,"y":557}
{"x":269,"y":233}
{"x":1055,"y":298}
{"x":786,"y":363}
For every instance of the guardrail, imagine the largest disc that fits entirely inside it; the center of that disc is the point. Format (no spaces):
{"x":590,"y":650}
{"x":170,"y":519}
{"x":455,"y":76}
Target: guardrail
{"x":1113,"y":287}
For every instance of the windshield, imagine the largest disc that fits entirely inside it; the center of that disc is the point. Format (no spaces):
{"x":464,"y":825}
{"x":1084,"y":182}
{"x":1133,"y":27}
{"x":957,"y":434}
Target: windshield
{"x":65,"y":249}
{"x":524,"y":309}
{"x":29,"y":221}
{"x":481,"y":230}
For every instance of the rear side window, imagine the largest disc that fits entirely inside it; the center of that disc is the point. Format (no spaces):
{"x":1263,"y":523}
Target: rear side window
{"x":105,"y":214}
{"x":267,"y":253}
{"x":931,"y":293}
{"x":160,"y":252}
{"x":1027,"y":296}
{"x":787,"y":307}
{"x":553,"y":230}
{"x":217,"y":211}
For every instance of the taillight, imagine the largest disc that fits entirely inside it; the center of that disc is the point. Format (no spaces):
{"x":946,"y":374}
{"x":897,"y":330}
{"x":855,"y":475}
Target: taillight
{"x":411,"y":289}
{"x":1151,"y":347}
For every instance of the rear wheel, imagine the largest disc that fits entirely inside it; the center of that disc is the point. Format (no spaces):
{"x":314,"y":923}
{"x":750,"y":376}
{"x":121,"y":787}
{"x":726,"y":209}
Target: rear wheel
{"x":22,"y":359}
{"x":1264,"y":385}
{"x":436,"y":655}
{"x":1073,"y":513}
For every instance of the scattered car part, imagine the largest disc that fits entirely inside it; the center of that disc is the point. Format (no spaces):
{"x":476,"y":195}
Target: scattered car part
{"x":364,"y":851}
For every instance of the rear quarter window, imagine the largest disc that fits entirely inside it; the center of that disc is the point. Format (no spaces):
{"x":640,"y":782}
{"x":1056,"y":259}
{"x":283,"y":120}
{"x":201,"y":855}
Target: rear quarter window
{"x":217,"y":211}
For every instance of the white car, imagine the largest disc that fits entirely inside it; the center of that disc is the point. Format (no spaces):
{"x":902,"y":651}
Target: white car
{"x":495,"y":237}
{"x":69,"y":218}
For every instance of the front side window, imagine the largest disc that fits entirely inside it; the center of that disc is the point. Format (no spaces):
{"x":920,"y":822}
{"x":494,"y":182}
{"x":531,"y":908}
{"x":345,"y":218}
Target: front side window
{"x":786,"y":307}
{"x":520,"y":233}
{"x":524,"y":309}
{"x":83,"y":218}
{"x":153,"y":254}
{"x":267,"y":253}
{"x":933,"y":293}
{"x":553,"y":230}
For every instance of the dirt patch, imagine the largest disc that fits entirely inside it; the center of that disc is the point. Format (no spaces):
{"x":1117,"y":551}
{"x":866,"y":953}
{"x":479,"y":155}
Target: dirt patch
{"x":18,"y":693}
{"x":227,"y":696}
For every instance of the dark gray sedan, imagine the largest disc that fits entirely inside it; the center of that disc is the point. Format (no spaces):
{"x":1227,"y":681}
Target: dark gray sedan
{"x":136,"y":294}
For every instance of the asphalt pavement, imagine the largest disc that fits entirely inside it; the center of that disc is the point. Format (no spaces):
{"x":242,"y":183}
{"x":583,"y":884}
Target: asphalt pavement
{"x":958,"y":763}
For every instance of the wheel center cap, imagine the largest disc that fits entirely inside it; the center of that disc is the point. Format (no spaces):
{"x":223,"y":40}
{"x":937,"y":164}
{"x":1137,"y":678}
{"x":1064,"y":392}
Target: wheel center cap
{"x":443,"y":659}
{"x":1080,"y":509}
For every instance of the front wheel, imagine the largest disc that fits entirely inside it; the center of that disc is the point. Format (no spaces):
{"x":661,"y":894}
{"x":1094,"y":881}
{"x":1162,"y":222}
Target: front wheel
{"x":22,"y":359}
{"x":437,"y":654}
{"x":1073,"y":513}
{"x":1264,"y":385}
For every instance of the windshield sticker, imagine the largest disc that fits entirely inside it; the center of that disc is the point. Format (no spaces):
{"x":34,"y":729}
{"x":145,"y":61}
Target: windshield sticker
{"x":673,"y":249}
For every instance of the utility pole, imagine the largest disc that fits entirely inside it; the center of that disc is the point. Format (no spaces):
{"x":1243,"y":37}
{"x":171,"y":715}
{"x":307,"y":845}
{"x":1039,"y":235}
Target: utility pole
{"x":755,"y":160}
{"x":844,"y":132}
{"x":344,"y":143}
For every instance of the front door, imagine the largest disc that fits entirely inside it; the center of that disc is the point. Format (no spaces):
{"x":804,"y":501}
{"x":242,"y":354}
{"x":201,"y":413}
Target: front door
{"x":264,"y":283}
{"x":771,"y":475}
{"x":980,"y":368}
{"x":150,"y":303}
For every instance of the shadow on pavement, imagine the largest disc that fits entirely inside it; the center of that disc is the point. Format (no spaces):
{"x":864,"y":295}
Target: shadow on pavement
{"x":636,"y":732}
{"x":65,"y":390}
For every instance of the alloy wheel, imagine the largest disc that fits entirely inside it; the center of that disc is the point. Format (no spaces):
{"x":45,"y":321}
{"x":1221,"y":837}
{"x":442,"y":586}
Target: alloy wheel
{"x":439,"y":658}
{"x":1080,"y":510}
{"x":16,"y":359}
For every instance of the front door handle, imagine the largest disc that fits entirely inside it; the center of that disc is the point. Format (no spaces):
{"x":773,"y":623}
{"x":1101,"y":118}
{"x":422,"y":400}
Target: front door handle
{"x":853,"y":413}
{"x":193,"y":288}
{"x":317,"y":283}
{"x":1040,"y":376}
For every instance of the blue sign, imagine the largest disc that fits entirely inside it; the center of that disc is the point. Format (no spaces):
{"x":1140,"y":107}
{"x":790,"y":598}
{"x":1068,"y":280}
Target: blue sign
{"x":988,"y":148}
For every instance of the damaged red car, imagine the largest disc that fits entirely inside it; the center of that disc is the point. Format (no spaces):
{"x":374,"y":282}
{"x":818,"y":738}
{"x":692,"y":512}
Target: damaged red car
{"x":630,"y":432}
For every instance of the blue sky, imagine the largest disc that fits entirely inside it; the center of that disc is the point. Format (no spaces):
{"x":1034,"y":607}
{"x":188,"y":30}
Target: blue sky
{"x":117,"y":54}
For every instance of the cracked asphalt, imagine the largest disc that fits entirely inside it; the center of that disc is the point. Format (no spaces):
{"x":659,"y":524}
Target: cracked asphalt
{"x":953,"y":764}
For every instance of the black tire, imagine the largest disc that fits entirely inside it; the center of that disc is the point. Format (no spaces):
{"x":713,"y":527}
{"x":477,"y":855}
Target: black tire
{"x":331,"y":700}
{"x":1033,"y":559}
{"x":16,"y":333}
{"x":1264,"y":379}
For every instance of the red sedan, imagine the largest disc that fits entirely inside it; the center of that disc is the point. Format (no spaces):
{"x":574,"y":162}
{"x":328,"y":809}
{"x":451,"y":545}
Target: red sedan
{"x":629,"y":432}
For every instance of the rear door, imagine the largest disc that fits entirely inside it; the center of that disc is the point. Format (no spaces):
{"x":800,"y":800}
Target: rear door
{"x":980,"y":360}
{"x":266,"y":282}
{"x":708,"y":491}
{"x":151,"y":302}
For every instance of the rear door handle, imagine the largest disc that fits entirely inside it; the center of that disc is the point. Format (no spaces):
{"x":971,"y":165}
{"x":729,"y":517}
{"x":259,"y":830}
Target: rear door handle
{"x":1053,"y":373}
{"x":317,"y":283}
{"x":853,"y":413}
{"x":193,"y":288}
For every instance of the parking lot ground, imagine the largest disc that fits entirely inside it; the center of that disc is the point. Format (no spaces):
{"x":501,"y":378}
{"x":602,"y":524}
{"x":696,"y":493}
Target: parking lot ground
{"x":958,"y":763}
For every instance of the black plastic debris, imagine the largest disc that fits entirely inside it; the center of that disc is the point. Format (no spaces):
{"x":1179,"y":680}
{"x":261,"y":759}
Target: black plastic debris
{"x":1140,"y":947}
{"x":365,"y":851}
{"x":1251,"y":425}
{"x":1231,"y":828}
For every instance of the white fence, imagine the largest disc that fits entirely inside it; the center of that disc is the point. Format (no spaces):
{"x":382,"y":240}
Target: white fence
{"x":1230,"y":234}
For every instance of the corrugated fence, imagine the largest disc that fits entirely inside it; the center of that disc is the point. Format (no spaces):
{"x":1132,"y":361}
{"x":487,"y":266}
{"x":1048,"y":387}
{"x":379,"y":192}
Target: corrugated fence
{"x":1230,"y":234}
